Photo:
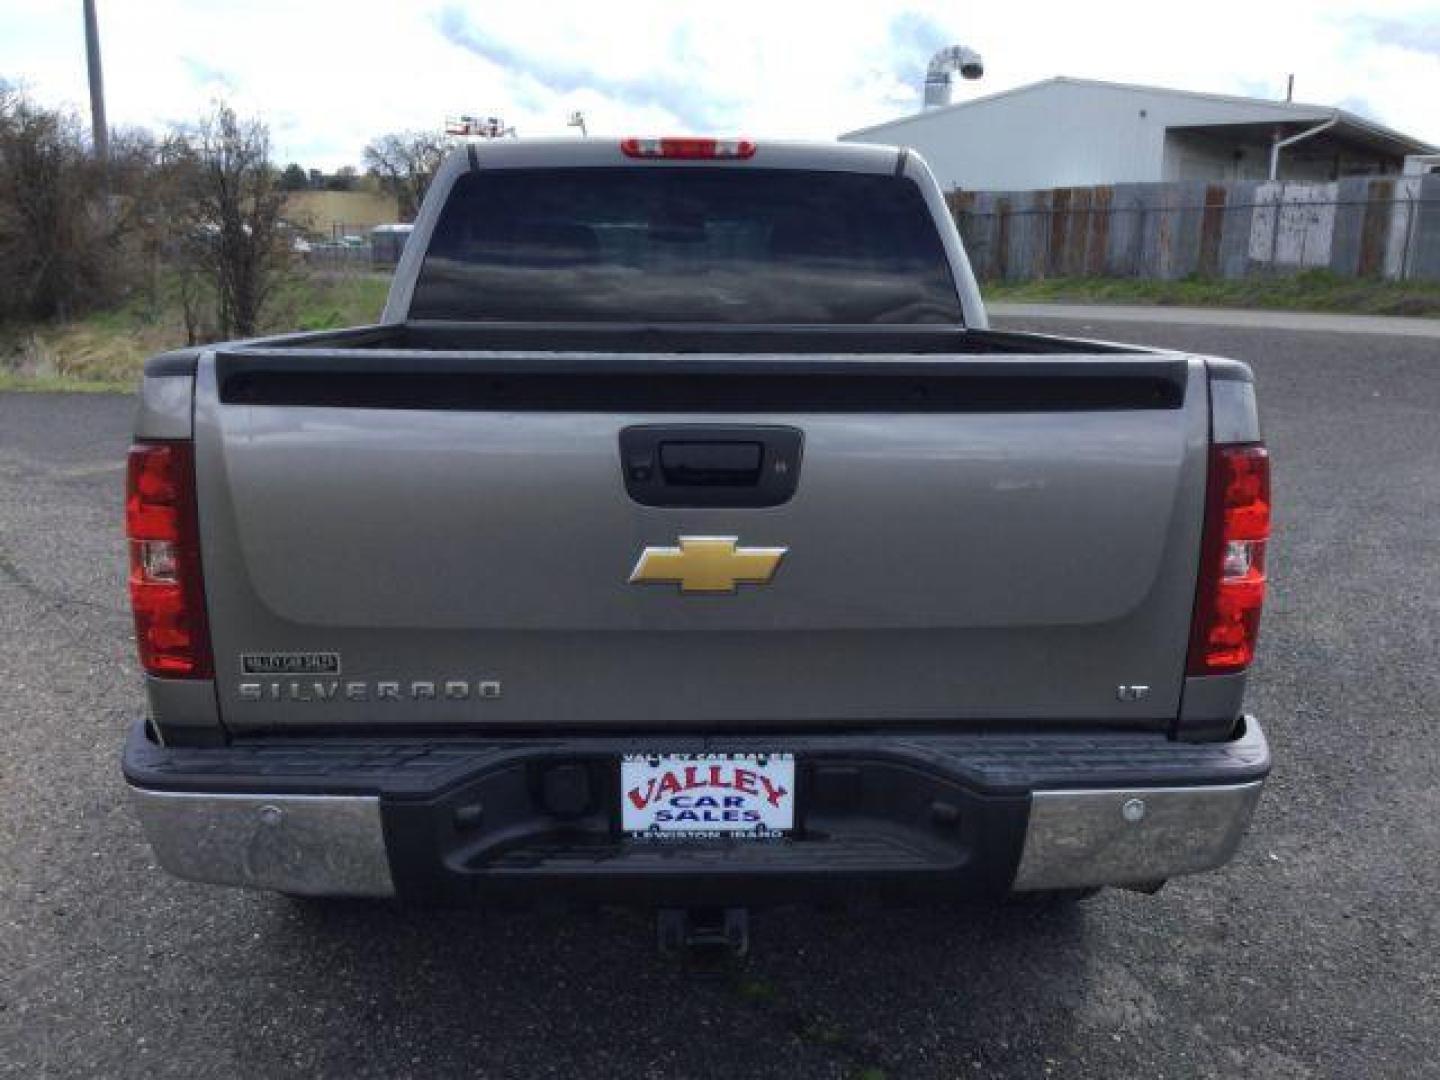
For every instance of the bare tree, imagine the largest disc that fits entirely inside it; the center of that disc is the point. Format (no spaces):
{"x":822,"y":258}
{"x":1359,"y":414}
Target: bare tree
{"x":144,"y":207}
{"x":232,"y":205}
{"x":406,"y":162}
{"x":58,"y":238}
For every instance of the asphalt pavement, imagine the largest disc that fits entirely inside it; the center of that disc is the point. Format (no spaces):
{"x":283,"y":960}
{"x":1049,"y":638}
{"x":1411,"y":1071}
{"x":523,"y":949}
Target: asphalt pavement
{"x":1326,"y":322}
{"x":1315,"y":954}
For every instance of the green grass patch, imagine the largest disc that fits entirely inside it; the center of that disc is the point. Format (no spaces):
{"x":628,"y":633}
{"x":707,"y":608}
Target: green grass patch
{"x":106,"y":350}
{"x":328,"y":302}
{"x":50,"y":384}
{"x":1312,"y":290}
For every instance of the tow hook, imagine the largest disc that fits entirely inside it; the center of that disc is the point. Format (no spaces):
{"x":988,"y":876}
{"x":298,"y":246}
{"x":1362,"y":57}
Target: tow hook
{"x":704,"y":939}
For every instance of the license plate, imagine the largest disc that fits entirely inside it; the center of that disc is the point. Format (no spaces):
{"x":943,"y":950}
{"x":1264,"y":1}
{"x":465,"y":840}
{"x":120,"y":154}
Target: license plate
{"x":697,"y":796}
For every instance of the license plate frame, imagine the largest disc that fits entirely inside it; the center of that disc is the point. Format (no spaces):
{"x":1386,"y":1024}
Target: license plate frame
{"x":669,"y":797}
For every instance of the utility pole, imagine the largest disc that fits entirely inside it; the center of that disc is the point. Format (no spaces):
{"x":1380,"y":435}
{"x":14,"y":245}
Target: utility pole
{"x":97,"y":84}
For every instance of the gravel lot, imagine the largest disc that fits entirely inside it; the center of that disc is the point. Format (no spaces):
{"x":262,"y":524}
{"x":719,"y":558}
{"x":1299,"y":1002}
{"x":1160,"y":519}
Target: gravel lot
{"x":1314,"y":954}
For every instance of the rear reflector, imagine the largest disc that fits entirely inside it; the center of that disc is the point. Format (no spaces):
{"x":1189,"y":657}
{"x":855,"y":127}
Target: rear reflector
{"x":687,"y":148}
{"x":167,"y":592}
{"x":1231,"y":588}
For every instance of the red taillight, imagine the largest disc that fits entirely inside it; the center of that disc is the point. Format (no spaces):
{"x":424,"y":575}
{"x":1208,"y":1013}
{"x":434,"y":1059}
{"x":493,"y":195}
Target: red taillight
{"x":166,"y":589}
{"x":688,"y":148}
{"x":1231,"y":590}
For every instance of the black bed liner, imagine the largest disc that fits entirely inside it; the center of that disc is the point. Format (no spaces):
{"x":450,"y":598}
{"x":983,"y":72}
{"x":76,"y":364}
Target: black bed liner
{"x":439,"y":339}
{"x":689,"y":338}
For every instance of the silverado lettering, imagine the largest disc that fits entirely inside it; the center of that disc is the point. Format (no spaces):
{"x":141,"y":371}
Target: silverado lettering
{"x":383,"y":690}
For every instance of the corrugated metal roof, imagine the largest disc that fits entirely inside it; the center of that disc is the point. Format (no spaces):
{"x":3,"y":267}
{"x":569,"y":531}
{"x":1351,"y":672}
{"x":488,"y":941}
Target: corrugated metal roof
{"x":1272,"y":111}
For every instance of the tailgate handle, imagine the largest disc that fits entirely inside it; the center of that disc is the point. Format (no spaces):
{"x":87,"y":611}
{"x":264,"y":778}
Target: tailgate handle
{"x":722,"y":465}
{"x":704,"y":464}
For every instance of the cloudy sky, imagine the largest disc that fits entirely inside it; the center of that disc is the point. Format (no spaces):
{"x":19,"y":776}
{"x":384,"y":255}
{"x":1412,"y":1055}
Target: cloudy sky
{"x":328,"y":75}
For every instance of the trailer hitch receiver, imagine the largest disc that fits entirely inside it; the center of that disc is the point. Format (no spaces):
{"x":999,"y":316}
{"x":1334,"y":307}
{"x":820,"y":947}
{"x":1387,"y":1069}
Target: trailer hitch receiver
{"x":706,"y":939}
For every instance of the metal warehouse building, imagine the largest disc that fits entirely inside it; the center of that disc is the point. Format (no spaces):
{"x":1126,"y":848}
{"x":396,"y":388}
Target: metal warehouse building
{"x":1068,"y":132}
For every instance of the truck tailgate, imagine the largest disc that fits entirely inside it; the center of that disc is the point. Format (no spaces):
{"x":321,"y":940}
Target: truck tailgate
{"x":422,"y":539}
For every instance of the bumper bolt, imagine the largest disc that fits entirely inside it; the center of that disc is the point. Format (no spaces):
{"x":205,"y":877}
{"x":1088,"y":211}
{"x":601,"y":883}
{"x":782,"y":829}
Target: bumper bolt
{"x":1133,"y":810}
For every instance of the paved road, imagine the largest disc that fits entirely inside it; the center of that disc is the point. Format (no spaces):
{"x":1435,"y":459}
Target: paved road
{"x":1222,"y":318}
{"x":1314,"y":954}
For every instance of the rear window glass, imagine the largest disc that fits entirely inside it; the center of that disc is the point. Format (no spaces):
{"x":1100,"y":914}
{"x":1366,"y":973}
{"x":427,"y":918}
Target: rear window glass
{"x":675,"y":244}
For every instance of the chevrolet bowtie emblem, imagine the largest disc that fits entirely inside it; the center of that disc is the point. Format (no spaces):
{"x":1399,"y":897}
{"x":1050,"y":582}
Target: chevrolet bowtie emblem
{"x":708,"y":564}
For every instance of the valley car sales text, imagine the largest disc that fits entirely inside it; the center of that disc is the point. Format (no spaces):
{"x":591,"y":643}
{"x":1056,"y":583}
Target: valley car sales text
{"x":689,"y":794}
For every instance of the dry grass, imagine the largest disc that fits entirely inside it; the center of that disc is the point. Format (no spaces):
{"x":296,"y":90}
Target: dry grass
{"x":357,"y":211}
{"x":107,"y":350}
{"x":1313,"y":290}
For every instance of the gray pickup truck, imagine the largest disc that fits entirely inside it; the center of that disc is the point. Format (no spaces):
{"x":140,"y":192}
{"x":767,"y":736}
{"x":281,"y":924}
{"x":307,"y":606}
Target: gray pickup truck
{"x":683,"y":536}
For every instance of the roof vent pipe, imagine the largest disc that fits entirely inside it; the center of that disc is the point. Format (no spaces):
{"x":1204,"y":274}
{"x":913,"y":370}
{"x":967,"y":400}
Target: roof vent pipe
{"x":943,"y":67}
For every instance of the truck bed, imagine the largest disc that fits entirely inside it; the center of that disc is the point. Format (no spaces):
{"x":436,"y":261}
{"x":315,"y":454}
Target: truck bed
{"x":422,"y":340}
{"x":661,"y":338}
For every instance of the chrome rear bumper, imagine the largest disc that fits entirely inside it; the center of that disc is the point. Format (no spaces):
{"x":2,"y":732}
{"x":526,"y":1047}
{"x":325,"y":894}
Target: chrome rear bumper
{"x":334,"y":845}
{"x":428,"y":818}
{"x":308,"y":845}
{"x":1078,"y":839}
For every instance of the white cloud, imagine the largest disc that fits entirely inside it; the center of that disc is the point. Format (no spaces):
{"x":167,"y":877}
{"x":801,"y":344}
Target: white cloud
{"x":329,"y":75}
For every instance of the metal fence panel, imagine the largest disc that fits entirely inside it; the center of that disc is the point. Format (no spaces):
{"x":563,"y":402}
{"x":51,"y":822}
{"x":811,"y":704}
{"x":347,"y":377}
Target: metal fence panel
{"x":1361,"y":227}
